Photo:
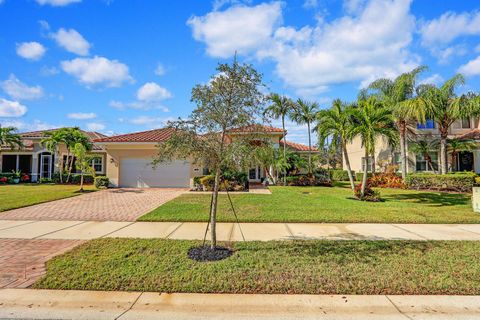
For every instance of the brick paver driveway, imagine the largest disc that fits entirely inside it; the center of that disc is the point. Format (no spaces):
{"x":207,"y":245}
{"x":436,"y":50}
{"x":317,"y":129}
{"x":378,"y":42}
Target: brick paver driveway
{"x":22,"y":261}
{"x":105,"y":205}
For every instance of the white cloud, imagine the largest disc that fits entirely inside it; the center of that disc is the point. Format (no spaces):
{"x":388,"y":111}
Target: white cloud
{"x":49,"y":71}
{"x":471,"y":68}
{"x":150,"y":122}
{"x":72,"y":41}
{"x":82,"y":115}
{"x":11,"y":108}
{"x":151,"y":91}
{"x":435,"y":79}
{"x":97,"y":71}
{"x":95,"y":126}
{"x":19,"y":90}
{"x":30,"y":50}
{"x":359,"y":47}
{"x":353,"y":6}
{"x":160,"y":70}
{"x":30,"y":125}
{"x":57,"y":3}
{"x":450,"y":26}
{"x":239,"y":28}
{"x":310,"y":4}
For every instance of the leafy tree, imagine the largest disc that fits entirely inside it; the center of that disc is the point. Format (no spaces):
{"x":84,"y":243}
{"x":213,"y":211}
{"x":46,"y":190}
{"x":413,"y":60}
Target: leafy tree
{"x":336,"y":123}
{"x":51,"y":141}
{"x":372,"y":120}
{"x":395,"y":95}
{"x":281,"y":107}
{"x":9,"y":137}
{"x":445,"y":107}
{"x":456,"y":145}
{"x":268,"y":157}
{"x":305,"y":113}
{"x":230,"y":100}
{"x":83,"y":160}
{"x":425,"y":147}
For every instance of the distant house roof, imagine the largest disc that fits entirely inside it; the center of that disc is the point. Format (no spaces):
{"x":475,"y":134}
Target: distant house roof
{"x":472,"y":134}
{"x":297,"y":146}
{"x":257,"y":128}
{"x":154,"y":136}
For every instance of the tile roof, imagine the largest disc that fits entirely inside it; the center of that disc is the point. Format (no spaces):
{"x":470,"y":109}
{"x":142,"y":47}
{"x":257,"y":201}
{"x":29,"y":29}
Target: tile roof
{"x":257,"y":128}
{"x":297,"y":146}
{"x":156,"y":135}
{"x":472,"y":134}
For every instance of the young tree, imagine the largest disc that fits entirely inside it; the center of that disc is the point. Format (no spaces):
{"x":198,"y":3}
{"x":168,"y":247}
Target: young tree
{"x":336,"y":123}
{"x":305,"y":113}
{"x":371,"y":121}
{"x":231,"y":99}
{"x":51,"y":141}
{"x":444,"y":106}
{"x":395,"y":94}
{"x":281,"y":107}
{"x":456,"y":145}
{"x":425,"y":147}
{"x":83,"y":160}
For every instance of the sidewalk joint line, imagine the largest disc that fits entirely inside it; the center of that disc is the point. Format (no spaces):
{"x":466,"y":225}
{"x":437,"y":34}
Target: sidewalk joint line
{"x":107,"y":234}
{"x":178,"y":227}
{"x":477,"y":233}
{"x":398,"y":309}
{"x":290,"y":231}
{"x":46,"y":234}
{"x":18,"y":225}
{"x":397,"y":226}
{"x":131,"y":306}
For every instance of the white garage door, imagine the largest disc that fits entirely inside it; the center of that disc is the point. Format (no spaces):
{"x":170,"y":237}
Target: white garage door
{"x":138,"y":173}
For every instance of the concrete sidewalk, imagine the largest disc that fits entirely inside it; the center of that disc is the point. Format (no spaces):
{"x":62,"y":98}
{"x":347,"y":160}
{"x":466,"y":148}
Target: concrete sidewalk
{"x":86,"y":230}
{"x":57,"y":304}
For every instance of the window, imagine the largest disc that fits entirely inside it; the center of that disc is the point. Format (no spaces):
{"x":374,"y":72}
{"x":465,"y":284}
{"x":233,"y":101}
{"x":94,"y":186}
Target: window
{"x":466,"y":123}
{"x":97,"y":164}
{"x":369,"y":164}
{"x":421,"y":162}
{"x":429,"y":124}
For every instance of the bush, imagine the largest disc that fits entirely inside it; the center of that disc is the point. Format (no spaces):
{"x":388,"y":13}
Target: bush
{"x":308,"y":180}
{"x":459,"y":182}
{"x":101,"y":182}
{"x":46,"y":180}
{"x":359,"y":176}
{"x":340,"y":175}
{"x":231,"y":181}
{"x":369,"y":194}
{"x":74,"y":178}
{"x":386,"y":180}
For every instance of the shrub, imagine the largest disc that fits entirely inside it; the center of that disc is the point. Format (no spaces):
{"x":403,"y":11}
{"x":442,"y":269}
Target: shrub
{"x":101,"y":182}
{"x":74,"y":178}
{"x":7,"y":175}
{"x":231,"y":181}
{"x":359,"y":176}
{"x":308,"y":180}
{"x":386,"y":180}
{"x":3,"y":180}
{"x":459,"y":182}
{"x":46,"y":180}
{"x":340,"y":175}
{"x":369,"y":194}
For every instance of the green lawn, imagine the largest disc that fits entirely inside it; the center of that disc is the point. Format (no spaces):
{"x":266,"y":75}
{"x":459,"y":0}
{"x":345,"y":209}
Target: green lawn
{"x":22,"y":195}
{"x":323,"y":204}
{"x":301,"y":267}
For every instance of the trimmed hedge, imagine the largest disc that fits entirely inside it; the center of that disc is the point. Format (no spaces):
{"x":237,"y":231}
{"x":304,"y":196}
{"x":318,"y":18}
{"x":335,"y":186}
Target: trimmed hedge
{"x":74,"y":178}
{"x":101,"y":182}
{"x":340,"y":175}
{"x":459,"y":182}
{"x":304,"y":180}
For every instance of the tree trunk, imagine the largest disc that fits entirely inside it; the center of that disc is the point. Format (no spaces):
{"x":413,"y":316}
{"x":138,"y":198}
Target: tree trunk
{"x":213,"y":213}
{"x":443,"y":154}
{"x":81,"y":182}
{"x":61,"y":165}
{"x":454,"y":161}
{"x":373,"y":161}
{"x":284,"y":151}
{"x":309,"y":150}
{"x":347,"y":163}
{"x":403,"y":150}
{"x":365,"y":174}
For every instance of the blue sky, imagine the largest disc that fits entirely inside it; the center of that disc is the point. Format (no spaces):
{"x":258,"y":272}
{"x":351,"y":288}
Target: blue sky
{"x":119,"y":66}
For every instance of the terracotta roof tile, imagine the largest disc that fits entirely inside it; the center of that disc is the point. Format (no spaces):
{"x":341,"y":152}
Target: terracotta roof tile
{"x":156,"y":135}
{"x":472,"y":134}
{"x":297,"y":146}
{"x":257,"y":128}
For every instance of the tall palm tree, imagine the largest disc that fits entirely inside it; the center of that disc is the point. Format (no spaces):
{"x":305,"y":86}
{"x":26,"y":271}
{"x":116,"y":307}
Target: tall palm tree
{"x":394,"y":95}
{"x":51,"y":141}
{"x":445,"y":107}
{"x":371,"y":121}
{"x":305,"y":113}
{"x":9,"y":138}
{"x":336,"y":123}
{"x":456,"y":145}
{"x":425,"y":147}
{"x":280,"y":108}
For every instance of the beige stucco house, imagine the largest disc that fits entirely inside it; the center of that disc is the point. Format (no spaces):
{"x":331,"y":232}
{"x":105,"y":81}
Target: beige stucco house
{"x":466,"y":161}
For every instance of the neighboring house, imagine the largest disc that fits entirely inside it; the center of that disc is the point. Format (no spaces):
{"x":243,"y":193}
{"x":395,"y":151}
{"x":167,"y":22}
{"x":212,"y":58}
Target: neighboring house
{"x":36,"y":161}
{"x":129,"y":158}
{"x":466,"y":161}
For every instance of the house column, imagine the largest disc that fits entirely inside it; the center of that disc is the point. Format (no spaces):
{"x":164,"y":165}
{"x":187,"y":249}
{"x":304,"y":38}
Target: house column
{"x":476,"y":161}
{"x":34,"y":176}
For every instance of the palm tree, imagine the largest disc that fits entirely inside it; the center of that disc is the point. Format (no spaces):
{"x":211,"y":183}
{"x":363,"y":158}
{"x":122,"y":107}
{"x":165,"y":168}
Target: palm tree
{"x":281,"y":107}
{"x":336,"y":123}
{"x":394,"y":95}
{"x":445,"y":107}
{"x":51,"y":141}
{"x":456,"y":146}
{"x":305,"y":113}
{"x":424,"y":147}
{"x":371,"y":121}
{"x":9,"y":138}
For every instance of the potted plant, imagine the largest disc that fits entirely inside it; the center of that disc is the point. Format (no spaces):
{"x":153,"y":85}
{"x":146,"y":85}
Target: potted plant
{"x":16,"y":176}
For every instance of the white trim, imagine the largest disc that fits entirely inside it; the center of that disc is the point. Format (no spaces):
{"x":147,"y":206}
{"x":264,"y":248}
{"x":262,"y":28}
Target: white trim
{"x":42,"y":162}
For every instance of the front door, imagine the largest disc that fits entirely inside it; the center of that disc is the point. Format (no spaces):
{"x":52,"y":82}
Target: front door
{"x":465,"y":161}
{"x":46,"y":166}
